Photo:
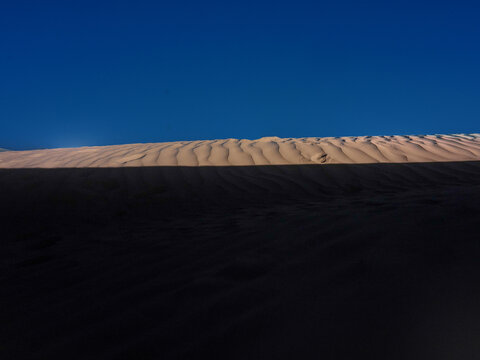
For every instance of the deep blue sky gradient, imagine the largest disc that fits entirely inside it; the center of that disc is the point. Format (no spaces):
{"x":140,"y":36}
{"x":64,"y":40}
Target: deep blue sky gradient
{"x":99,"y":73}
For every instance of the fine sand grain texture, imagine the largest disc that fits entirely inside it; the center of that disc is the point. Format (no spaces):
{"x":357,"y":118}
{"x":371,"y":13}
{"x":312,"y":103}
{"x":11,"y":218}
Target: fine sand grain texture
{"x":314,"y":248}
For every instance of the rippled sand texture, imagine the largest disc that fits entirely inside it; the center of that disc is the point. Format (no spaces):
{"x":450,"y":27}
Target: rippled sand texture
{"x":347,"y":248}
{"x":264,"y":151}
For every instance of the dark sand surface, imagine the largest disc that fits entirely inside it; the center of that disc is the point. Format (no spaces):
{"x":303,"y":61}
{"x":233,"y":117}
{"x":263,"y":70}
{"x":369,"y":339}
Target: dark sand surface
{"x":375,"y":261}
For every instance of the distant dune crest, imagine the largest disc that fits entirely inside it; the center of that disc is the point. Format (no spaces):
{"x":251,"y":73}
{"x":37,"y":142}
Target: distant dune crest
{"x":264,"y":151}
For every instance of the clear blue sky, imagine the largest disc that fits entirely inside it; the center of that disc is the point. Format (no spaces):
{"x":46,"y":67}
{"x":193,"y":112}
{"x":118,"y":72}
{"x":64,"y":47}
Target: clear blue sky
{"x":76,"y":73}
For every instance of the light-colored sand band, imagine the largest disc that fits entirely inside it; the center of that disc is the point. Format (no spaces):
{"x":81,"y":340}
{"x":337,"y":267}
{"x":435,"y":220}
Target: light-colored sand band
{"x":264,"y":151}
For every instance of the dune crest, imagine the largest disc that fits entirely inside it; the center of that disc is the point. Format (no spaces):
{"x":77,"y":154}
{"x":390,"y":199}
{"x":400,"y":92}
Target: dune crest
{"x":264,"y":151}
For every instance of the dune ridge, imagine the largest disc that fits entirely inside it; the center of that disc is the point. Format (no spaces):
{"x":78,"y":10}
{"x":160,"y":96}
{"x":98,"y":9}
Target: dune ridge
{"x":263,"y":151}
{"x":370,"y":242}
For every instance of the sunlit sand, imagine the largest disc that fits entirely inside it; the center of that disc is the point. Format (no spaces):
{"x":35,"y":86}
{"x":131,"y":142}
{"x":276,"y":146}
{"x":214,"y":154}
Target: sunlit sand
{"x":264,"y":151}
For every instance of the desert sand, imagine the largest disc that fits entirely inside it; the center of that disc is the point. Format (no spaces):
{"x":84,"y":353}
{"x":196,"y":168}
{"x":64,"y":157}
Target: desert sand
{"x":312,"y":248}
{"x":264,"y":151}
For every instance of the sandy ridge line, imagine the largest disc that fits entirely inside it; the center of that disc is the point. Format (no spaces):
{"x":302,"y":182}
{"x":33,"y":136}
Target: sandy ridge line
{"x":264,"y":151}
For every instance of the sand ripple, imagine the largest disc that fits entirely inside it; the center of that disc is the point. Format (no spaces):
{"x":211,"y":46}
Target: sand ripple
{"x":264,"y":151}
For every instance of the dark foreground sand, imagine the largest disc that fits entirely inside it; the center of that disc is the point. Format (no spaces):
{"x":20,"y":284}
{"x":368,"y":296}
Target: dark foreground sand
{"x":377,"y":261}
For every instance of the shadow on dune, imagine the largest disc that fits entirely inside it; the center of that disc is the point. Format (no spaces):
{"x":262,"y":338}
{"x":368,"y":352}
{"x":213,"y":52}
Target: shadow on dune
{"x":264,"y":262}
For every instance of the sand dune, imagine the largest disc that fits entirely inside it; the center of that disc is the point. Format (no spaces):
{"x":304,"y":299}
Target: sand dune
{"x":264,"y":151}
{"x":347,"y":248}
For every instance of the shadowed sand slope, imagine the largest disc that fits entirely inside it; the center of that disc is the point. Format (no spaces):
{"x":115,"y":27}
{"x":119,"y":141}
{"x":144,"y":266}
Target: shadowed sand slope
{"x":264,"y":151}
{"x":304,"y":261}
